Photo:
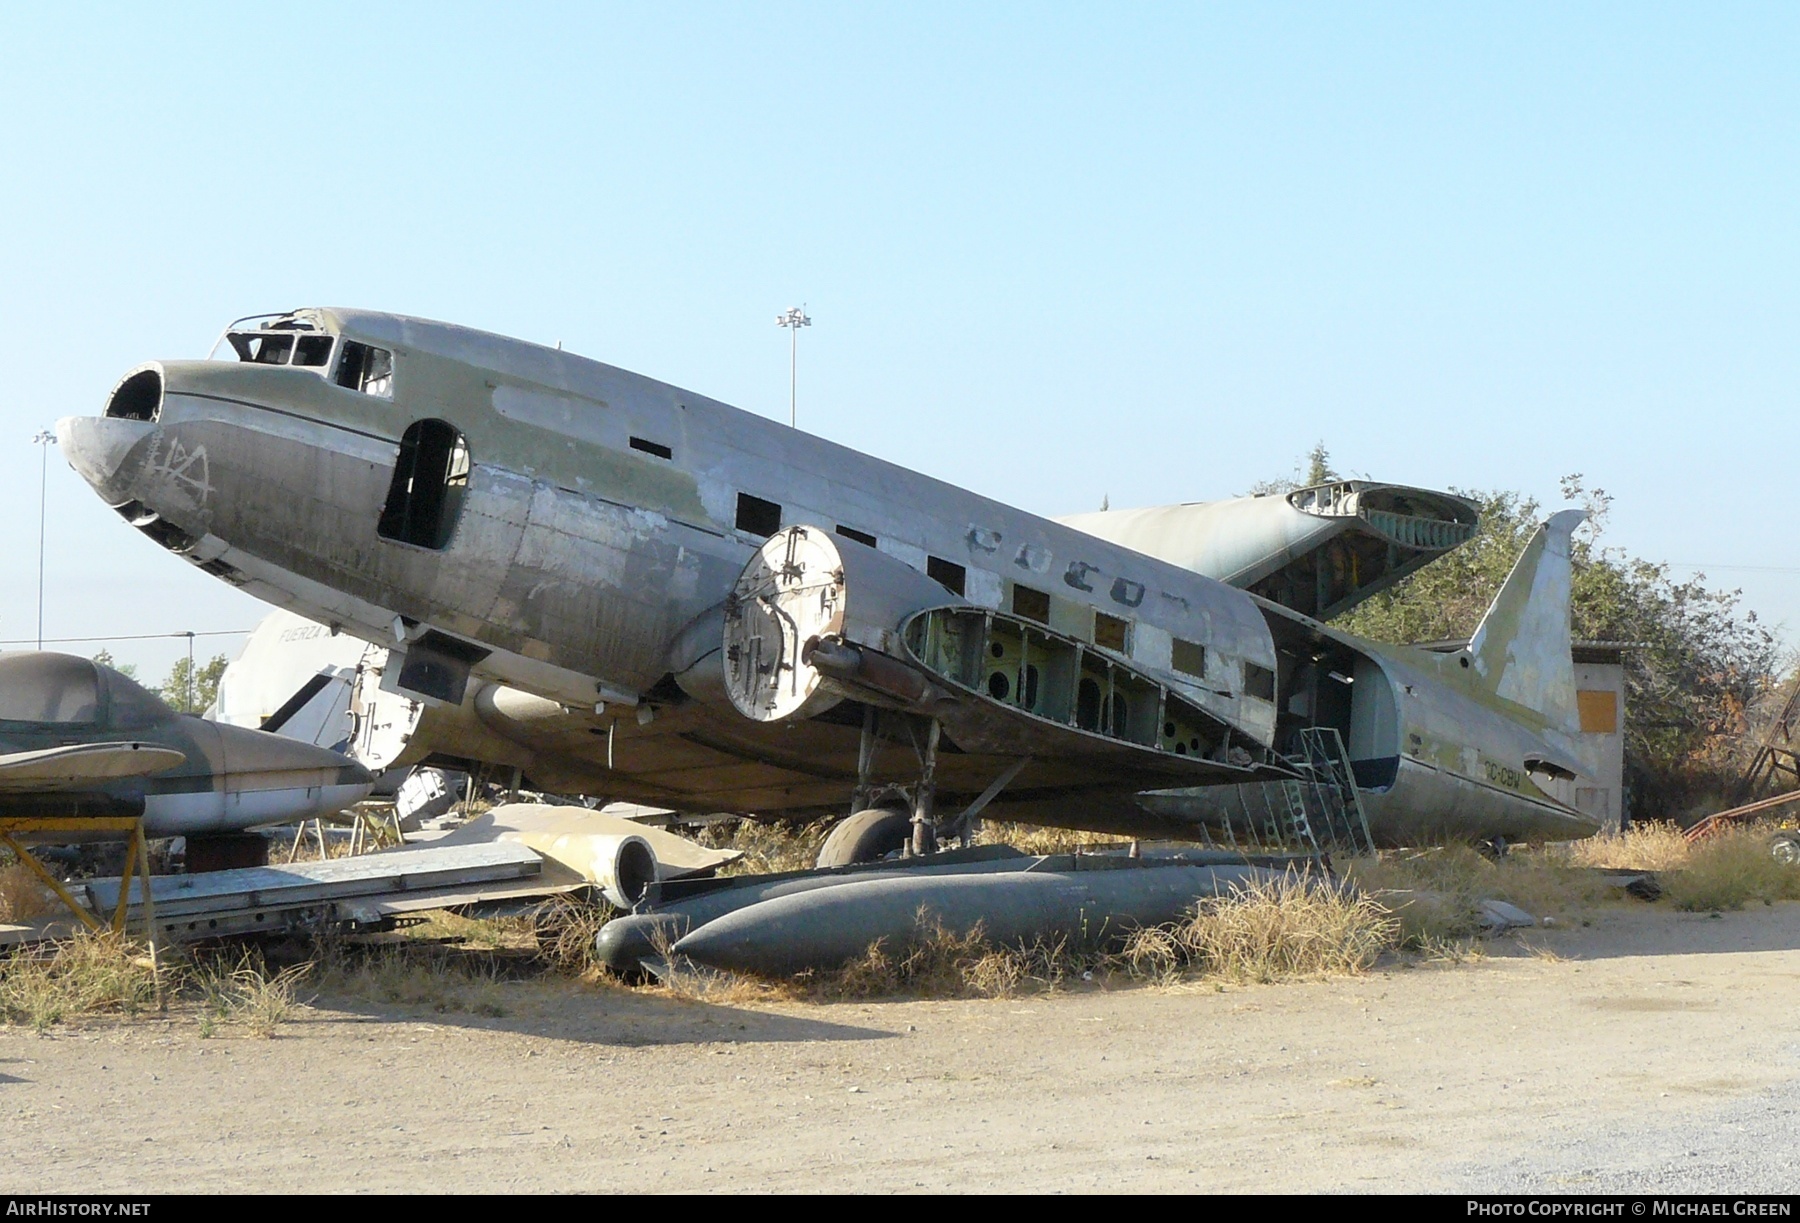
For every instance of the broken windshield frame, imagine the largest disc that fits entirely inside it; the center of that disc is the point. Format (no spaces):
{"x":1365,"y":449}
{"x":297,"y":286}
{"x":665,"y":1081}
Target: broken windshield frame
{"x":275,"y":339}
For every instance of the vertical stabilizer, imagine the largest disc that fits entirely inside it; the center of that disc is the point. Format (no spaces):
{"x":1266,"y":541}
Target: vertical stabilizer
{"x":1521,"y":650}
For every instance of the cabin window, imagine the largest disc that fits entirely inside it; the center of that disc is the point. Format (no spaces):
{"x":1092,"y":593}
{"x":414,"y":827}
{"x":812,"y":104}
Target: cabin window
{"x":948,"y":574}
{"x":1031,"y":604}
{"x":425,"y":496}
{"x":656,"y":448}
{"x":757,"y":516}
{"x":1110,"y":632}
{"x":262,"y":348}
{"x":312,"y":350}
{"x":365,"y":368}
{"x":1259,"y":682}
{"x":862,"y":537}
{"x":1189,"y":658}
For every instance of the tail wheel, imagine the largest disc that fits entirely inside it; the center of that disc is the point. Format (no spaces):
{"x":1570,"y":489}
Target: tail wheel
{"x":867,"y":836}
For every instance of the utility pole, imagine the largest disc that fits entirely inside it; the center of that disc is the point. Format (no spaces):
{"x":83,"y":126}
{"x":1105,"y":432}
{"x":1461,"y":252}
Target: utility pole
{"x":45,"y":439}
{"x":794,"y":320}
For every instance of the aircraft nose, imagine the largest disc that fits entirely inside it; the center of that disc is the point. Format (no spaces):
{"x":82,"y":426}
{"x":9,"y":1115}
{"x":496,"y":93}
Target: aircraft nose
{"x":104,"y":451}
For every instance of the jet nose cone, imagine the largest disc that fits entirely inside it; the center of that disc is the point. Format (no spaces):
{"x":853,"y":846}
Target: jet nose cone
{"x":104,"y":452}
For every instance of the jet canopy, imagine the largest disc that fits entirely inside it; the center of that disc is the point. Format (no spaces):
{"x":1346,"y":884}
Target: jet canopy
{"x":66,"y":692}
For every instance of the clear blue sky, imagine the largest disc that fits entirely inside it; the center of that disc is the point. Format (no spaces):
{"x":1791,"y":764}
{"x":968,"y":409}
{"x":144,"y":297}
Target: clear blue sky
{"x":1051,"y":252}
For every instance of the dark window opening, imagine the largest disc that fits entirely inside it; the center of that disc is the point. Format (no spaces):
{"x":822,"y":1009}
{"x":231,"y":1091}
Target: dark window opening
{"x":757,"y":516}
{"x":139,"y":397}
{"x":1259,"y":682}
{"x":1087,"y":704}
{"x":1031,"y":687}
{"x":365,"y":368}
{"x":1031,"y":604}
{"x":1190,"y":659}
{"x":259,"y":348}
{"x":431,"y":476}
{"x":947,"y":574}
{"x":999,"y":685}
{"x":1109,"y":632}
{"x":1121,"y":712}
{"x":312,"y":350}
{"x":656,"y":448}
{"x":862,"y":537}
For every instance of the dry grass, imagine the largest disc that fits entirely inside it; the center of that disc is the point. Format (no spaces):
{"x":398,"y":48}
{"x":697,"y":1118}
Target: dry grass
{"x":564,"y":931}
{"x":1035,"y":839}
{"x":1728,"y":871}
{"x":23,"y":895}
{"x":411,"y":974}
{"x":1657,"y":846}
{"x":1284,"y":929}
{"x":86,"y":974}
{"x":768,"y":848}
{"x":244,"y":992}
{"x":940,"y":963}
{"x":1435,"y":894}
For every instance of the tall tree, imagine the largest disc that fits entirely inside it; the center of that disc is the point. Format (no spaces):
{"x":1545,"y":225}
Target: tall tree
{"x":193,"y":691}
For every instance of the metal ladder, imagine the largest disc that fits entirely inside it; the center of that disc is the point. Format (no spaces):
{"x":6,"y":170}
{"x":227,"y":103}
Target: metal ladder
{"x":1320,"y":811}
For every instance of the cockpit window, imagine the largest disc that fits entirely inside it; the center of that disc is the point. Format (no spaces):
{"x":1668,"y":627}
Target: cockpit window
{"x":262,"y":348}
{"x":312,"y":350}
{"x":55,"y":688}
{"x":365,"y":368}
{"x":133,"y":707}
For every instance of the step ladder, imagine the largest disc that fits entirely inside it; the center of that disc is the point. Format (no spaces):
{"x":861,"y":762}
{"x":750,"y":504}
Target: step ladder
{"x":1318,"y":812}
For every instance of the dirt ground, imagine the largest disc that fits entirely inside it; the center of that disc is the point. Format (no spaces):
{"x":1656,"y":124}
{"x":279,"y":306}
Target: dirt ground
{"x":1424,"y":1078}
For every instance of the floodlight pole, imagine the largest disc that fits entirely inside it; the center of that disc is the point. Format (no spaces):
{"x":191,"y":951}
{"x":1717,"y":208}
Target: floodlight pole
{"x":45,"y":439}
{"x":794,"y":320}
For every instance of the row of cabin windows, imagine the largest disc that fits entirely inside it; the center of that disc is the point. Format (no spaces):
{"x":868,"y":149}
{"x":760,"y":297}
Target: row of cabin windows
{"x":360,"y":367}
{"x":756,"y":516}
{"x":1113,"y":633}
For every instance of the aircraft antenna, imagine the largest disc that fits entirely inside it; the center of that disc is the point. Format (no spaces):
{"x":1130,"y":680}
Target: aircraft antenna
{"x":794,"y":320}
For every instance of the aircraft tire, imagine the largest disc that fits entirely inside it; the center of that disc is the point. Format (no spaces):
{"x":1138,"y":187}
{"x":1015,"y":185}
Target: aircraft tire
{"x":867,"y":836}
{"x":1786,"y":848}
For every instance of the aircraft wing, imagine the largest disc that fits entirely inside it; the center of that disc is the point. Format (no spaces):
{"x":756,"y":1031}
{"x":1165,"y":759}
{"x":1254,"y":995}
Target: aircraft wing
{"x":82,"y":764}
{"x":810,"y":623}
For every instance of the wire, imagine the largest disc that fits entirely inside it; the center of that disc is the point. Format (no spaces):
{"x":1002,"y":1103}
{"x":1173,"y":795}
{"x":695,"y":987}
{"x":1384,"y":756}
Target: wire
{"x":224,"y":632}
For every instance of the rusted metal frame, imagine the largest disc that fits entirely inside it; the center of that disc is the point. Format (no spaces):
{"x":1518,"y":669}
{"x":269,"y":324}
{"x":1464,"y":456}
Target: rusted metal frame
{"x":1711,"y":822}
{"x":51,"y":881}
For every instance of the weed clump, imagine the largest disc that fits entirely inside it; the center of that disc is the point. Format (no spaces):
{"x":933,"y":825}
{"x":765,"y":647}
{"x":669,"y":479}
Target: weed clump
{"x":1729,"y":870}
{"x":768,"y":848}
{"x":1282,"y":929}
{"x":244,"y":992}
{"x":86,"y":974}
{"x":940,"y":963}
{"x":1651,"y":846}
{"x":23,"y":895}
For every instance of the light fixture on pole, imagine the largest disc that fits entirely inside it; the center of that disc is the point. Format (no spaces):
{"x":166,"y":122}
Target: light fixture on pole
{"x":46,"y":439}
{"x":794,"y":319}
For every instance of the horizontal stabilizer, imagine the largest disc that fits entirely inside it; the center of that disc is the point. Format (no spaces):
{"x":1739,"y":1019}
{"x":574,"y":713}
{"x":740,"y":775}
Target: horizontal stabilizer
{"x":82,"y":764}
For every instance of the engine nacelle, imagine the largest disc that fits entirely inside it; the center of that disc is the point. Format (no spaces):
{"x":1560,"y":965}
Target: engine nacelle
{"x":801,"y":587}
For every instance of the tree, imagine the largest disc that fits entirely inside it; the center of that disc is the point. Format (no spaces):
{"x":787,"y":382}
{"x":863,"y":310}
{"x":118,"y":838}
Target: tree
{"x":105,"y":659}
{"x":1314,"y":468}
{"x":198,"y":696}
